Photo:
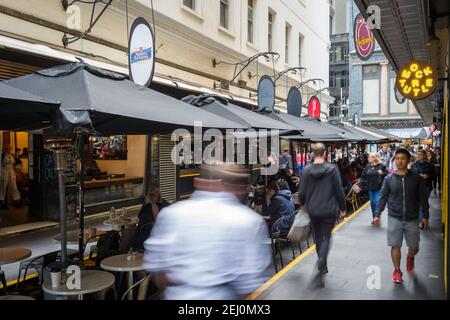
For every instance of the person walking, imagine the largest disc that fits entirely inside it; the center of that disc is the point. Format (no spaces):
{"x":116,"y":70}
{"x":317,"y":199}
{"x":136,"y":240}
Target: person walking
{"x":372,"y":179}
{"x":210,"y":246}
{"x":437,"y":170}
{"x":8,"y":181}
{"x":384,"y":154}
{"x":423,"y":168}
{"x":404,"y":193}
{"x":322,"y":195}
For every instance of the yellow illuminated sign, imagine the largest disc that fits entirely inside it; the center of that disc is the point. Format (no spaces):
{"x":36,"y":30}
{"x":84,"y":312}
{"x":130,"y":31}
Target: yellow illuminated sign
{"x":416,"y":80}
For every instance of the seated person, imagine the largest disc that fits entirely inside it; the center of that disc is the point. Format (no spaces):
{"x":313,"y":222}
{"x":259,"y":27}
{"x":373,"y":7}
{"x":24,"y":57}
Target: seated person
{"x":281,"y":206}
{"x":147,"y":217}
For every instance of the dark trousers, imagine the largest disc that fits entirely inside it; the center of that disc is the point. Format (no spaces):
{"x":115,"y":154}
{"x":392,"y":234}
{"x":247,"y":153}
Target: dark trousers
{"x":322,"y":235}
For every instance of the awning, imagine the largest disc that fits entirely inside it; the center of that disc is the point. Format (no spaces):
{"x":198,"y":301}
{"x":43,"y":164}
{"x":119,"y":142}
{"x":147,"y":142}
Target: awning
{"x":245,"y":117}
{"x":21,"y":110}
{"x":370,"y":136}
{"x":384,"y":133}
{"x":110,"y":103}
{"x":313,"y":130}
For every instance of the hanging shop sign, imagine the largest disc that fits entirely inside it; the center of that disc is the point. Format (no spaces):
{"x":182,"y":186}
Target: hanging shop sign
{"x":314,"y":107}
{"x":398,"y":96}
{"x":416,"y":80}
{"x":266,"y":93}
{"x":294,"y":102}
{"x":141,"y":52}
{"x":363,"y":38}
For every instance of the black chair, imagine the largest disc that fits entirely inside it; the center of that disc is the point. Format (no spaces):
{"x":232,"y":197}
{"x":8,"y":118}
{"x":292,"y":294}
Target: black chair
{"x":143,"y":287}
{"x":141,"y":233}
{"x":38,"y":264}
{"x":107,"y":246}
{"x":126,"y":239}
{"x":277,"y":238}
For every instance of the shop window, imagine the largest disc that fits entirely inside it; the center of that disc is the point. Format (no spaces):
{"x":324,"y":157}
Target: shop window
{"x":109,"y":148}
{"x":371,"y":89}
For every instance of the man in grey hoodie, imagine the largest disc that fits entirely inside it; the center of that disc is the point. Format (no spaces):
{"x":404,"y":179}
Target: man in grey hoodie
{"x":322,"y":195}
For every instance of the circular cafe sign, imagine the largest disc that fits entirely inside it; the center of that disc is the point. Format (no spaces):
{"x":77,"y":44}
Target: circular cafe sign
{"x":416,"y":80}
{"x":363,"y":37}
{"x":314,"y":107}
{"x":141,"y":52}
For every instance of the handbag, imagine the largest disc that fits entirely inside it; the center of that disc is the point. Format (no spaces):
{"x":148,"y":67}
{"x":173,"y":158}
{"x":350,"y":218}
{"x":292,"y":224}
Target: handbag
{"x":300,"y":226}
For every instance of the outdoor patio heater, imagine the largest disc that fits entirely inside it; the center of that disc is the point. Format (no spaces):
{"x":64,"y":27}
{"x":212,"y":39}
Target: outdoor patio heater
{"x":59,"y":147}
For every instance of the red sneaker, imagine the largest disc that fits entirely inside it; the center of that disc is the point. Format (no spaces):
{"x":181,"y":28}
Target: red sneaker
{"x":409,"y":263}
{"x":397,"y":276}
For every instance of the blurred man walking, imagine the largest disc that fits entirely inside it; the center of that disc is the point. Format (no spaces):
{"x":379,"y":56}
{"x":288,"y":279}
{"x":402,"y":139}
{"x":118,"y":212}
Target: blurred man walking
{"x":210,"y":246}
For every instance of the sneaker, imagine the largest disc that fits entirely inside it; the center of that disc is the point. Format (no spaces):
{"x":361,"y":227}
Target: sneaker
{"x":421,"y":226}
{"x":409,"y":263}
{"x":397,"y":276}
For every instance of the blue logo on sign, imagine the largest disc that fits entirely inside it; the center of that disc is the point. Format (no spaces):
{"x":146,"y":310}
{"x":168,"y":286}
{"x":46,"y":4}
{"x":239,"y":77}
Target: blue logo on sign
{"x":141,"y":54}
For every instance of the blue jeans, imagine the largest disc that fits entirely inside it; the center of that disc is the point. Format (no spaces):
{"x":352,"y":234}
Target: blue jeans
{"x":374,"y":195}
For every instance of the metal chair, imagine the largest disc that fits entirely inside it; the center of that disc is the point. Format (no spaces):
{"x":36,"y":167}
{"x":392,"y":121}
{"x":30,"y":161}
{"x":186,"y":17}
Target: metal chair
{"x":107,"y":245}
{"x":143,"y":286}
{"x":140,"y":234}
{"x":36,"y":263}
{"x":276,"y":239}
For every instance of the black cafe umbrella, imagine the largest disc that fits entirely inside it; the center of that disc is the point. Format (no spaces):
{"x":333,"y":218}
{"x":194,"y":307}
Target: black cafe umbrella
{"x":22,"y":110}
{"x":221,"y":107}
{"x":110,"y":103}
{"x":313,"y":130}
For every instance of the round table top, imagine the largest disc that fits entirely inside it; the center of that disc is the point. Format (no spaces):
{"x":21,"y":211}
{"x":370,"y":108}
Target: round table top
{"x":91,"y":281}
{"x":10,"y":255}
{"x":119,"y":263}
{"x":15,"y":297}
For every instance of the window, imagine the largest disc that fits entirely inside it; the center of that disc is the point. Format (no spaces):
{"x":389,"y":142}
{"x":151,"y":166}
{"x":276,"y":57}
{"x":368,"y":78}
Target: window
{"x":300,"y":45}
{"x":371,"y":89}
{"x":270,"y":31}
{"x":286,"y":48}
{"x":250,"y":21}
{"x":224,"y":7}
{"x":394,"y":106}
{"x":331,"y":25}
{"x":189,"y":4}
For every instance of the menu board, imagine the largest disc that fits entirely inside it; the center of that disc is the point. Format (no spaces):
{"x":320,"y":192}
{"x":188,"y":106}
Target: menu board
{"x":50,"y":176}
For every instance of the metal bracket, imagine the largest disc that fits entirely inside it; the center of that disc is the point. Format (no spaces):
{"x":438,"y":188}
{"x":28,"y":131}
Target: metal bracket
{"x":65,"y":4}
{"x":241,"y":66}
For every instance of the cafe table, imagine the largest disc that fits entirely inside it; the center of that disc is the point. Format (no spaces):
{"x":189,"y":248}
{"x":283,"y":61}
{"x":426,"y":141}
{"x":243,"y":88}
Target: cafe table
{"x":91,"y":281}
{"x":118,"y":223}
{"x":15,"y":297}
{"x":72,"y":237}
{"x":11,"y":255}
{"x":121,"y":263}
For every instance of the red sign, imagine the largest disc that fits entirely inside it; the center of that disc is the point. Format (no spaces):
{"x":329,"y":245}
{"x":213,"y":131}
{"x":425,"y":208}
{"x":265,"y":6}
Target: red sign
{"x":314,"y":107}
{"x":363,"y":37}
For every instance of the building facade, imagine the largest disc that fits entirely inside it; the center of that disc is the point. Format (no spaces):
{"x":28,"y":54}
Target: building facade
{"x":339,"y":58}
{"x":372,"y":95}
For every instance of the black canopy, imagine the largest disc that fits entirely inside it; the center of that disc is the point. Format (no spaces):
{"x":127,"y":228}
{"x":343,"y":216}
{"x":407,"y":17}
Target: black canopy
{"x":313,"y":130}
{"x":110,"y":103}
{"x":21,"y":110}
{"x":248,"y":118}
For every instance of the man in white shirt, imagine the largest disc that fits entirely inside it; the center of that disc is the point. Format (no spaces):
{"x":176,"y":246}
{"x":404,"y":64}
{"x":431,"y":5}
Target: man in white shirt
{"x":210,"y":246}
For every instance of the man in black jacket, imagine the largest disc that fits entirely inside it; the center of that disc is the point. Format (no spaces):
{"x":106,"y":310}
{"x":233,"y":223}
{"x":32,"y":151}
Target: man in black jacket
{"x":404,"y":193}
{"x":322,"y":195}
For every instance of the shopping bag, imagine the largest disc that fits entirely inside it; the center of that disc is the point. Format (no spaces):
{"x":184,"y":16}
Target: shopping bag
{"x":300,"y":226}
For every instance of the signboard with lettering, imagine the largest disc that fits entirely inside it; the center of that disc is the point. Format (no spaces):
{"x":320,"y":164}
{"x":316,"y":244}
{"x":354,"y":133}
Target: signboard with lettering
{"x":141,"y":52}
{"x":314,"y":107}
{"x":416,"y":80}
{"x":363,"y":38}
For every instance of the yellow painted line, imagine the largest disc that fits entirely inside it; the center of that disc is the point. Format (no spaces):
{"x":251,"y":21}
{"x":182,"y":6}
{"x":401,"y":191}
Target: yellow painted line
{"x":293,"y":263}
{"x":13,"y":282}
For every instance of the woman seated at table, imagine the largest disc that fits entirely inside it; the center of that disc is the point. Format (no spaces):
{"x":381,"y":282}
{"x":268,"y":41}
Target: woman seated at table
{"x":280,"y":205}
{"x":147,"y":216}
